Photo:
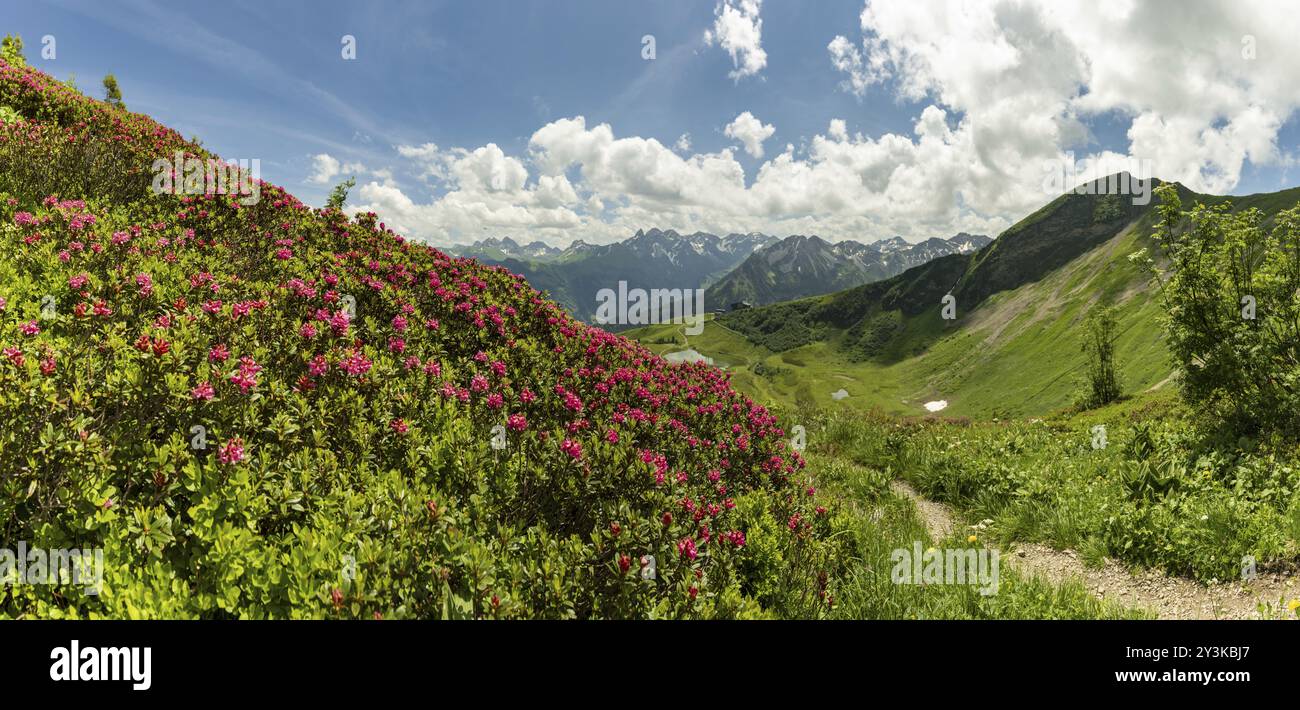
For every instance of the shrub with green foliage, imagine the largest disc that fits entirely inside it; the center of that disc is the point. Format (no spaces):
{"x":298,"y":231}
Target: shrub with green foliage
{"x":1101,"y":379}
{"x":268,"y":410}
{"x":1231,"y":293}
{"x":11,"y":51}
{"x":112,"y":94}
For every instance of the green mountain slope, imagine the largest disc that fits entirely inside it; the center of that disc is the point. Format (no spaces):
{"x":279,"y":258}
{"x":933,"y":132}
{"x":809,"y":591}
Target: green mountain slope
{"x":1013,"y":348}
{"x":256,"y":409}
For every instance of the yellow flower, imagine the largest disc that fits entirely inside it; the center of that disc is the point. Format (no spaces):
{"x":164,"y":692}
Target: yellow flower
{"x":1293,"y":605}
{"x":972,"y":538}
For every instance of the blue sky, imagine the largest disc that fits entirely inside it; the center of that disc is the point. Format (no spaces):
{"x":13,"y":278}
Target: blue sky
{"x":266,"y":80}
{"x":454,"y":73}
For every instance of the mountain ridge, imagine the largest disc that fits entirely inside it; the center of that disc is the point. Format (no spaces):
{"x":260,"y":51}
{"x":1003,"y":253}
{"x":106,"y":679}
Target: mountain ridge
{"x":650,"y":258}
{"x":800,"y":266}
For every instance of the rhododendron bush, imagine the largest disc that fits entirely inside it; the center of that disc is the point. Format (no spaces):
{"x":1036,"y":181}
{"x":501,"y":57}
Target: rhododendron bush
{"x":269,"y":410}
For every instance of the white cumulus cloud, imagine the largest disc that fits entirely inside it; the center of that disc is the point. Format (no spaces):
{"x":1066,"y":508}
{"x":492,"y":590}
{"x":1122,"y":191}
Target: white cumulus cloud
{"x":751,"y":133}
{"x":326,"y":167}
{"x":1029,"y":78}
{"x":738,"y":29}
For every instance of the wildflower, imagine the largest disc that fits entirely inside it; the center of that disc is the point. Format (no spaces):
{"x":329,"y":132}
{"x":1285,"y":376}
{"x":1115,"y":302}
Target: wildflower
{"x":355,"y":364}
{"x":232,"y":451}
{"x":399,"y":426}
{"x":686,"y":548}
{"x":246,"y":376}
{"x":572,"y":448}
{"x":339,"y":323}
{"x":203,"y":391}
{"x":517,"y":422}
{"x":29,"y":328}
{"x":478,"y":383}
{"x":218,"y":353}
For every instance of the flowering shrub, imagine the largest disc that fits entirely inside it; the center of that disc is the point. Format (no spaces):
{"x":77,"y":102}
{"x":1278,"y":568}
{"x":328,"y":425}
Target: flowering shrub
{"x":273,"y":411}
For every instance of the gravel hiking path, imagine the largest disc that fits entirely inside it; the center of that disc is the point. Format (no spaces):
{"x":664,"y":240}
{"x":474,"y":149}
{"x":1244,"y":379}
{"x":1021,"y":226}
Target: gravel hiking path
{"x":1168,"y":597}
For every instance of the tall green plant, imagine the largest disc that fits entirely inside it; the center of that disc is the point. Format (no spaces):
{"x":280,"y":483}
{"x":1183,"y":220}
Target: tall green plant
{"x":11,"y":50}
{"x":1101,"y":378}
{"x":339,"y":195}
{"x":112,"y":94}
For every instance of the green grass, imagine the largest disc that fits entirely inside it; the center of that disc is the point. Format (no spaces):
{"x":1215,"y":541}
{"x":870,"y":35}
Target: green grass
{"x":881,"y":521}
{"x":1156,"y":495}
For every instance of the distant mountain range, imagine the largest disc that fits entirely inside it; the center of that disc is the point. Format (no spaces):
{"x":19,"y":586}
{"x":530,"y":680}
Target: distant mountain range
{"x":753,"y":267}
{"x":493,"y":249}
{"x":801,"y":266}
{"x":649,"y":259}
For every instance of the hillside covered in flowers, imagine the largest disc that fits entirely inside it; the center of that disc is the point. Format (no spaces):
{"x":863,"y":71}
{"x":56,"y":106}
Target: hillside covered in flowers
{"x":261,"y":409}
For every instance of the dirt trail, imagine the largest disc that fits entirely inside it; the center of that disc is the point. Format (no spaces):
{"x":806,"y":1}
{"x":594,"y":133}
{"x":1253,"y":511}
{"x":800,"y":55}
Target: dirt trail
{"x":1168,"y":597}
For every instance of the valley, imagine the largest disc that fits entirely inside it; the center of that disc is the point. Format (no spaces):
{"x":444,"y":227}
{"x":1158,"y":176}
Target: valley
{"x":981,"y":414}
{"x":344,"y":365}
